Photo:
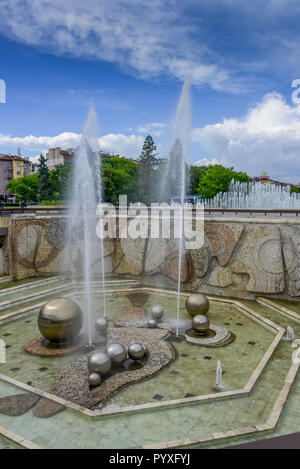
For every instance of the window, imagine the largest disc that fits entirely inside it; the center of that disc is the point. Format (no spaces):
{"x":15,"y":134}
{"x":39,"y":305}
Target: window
{"x":5,"y":163}
{"x":18,"y":164}
{"x":18,"y":173}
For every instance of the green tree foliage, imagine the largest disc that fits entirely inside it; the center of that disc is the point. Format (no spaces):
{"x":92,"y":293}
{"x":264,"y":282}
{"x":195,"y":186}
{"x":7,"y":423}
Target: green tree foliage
{"x":25,"y":188}
{"x":45,"y":187}
{"x":119,"y":177}
{"x":217,"y":179}
{"x":60,"y":179}
{"x":295,"y":189}
{"x":195,"y":175}
{"x":140,"y":182}
{"x":146,"y":171}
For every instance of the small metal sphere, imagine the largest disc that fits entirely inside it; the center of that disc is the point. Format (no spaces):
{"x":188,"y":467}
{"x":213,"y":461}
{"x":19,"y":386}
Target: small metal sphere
{"x":197,"y":304}
{"x":200,"y":324}
{"x":117,"y":353}
{"x":152,"y":323}
{"x":101,"y":325}
{"x":99,"y":362}
{"x":136,"y":351}
{"x":60,"y":320}
{"x":157,"y":312}
{"x":94,"y":379}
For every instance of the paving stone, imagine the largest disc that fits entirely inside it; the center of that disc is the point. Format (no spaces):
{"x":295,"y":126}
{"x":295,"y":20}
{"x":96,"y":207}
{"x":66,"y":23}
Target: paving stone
{"x":18,"y":404}
{"x":46,"y":408}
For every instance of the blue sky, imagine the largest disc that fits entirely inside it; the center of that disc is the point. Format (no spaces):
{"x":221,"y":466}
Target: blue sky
{"x":130,"y":58}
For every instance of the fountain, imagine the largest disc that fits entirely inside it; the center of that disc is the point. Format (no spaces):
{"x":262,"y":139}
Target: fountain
{"x":255,"y":195}
{"x":202,"y":332}
{"x":153,"y":342}
{"x":82,"y":242}
{"x":289,"y":335}
{"x":219,"y":386}
{"x":176,"y":171}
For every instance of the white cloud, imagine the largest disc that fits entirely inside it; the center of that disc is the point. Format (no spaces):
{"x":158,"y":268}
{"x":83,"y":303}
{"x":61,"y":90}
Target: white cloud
{"x":125,"y":145}
{"x":42,"y":143}
{"x":209,"y":162}
{"x":156,"y":129}
{"x":152,"y":38}
{"x":266,"y":139}
{"x":35,"y":159}
{"x":216,"y":42}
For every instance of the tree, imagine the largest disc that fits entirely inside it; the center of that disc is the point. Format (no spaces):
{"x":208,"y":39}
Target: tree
{"x":118,"y":177}
{"x":217,"y":179}
{"x":294,"y":188}
{"x":195,"y":175}
{"x":147,"y":161}
{"x":60,"y":179}
{"x":24,"y":188}
{"x":45,"y":190}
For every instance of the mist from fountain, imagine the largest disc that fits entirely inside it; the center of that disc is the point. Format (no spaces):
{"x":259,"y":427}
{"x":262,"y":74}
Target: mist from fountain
{"x":255,"y":195}
{"x":83,"y":245}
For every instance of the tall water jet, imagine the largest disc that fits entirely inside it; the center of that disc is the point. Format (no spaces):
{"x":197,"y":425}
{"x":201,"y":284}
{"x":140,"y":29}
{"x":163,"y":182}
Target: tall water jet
{"x":176,"y":170}
{"x":99,"y":200}
{"x":83,"y":245}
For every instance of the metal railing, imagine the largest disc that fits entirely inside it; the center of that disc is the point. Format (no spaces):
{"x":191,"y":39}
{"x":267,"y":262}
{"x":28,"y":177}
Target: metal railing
{"x":7,"y":212}
{"x":60,"y":210}
{"x":252,"y":211}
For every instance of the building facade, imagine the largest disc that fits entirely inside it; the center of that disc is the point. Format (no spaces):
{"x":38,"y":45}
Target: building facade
{"x":57,"y":156}
{"x":12,"y":167}
{"x":265,"y":179}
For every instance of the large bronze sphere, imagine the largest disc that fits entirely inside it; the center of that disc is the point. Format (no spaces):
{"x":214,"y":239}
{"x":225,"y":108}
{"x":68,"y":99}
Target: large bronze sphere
{"x":136,"y":351}
{"x":200,"y":324}
{"x":157,"y":312}
{"x":60,"y":320}
{"x":197,"y":304}
{"x":117,"y":353}
{"x":101,"y":325}
{"x":99,"y":362}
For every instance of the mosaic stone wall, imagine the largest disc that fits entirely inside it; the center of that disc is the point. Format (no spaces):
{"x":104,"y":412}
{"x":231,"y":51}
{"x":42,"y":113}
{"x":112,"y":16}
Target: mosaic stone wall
{"x":38,"y":245}
{"x":239,"y":258}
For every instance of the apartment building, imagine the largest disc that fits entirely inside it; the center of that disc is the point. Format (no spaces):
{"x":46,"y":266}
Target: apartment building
{"x":57,"y":156}
{"x":12,"y":167}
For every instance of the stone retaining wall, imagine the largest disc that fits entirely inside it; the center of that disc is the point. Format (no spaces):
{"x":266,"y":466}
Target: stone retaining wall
{"x":240,"y":257}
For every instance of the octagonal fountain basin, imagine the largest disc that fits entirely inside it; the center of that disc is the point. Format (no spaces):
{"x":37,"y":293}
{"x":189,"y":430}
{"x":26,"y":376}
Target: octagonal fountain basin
{"x":174,"y":381}
{"x":179,"y":394}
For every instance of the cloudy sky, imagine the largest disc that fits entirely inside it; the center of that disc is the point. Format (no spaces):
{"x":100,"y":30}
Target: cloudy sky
{"x":130,"y":57}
